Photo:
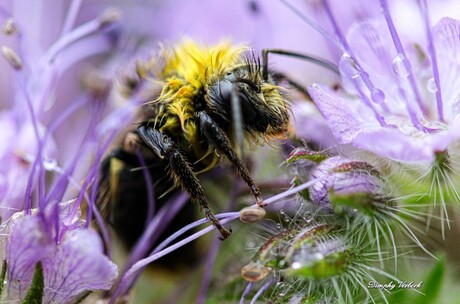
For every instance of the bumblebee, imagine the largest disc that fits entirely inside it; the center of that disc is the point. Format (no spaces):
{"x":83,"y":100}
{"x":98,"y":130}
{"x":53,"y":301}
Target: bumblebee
{"x":207,"y":96}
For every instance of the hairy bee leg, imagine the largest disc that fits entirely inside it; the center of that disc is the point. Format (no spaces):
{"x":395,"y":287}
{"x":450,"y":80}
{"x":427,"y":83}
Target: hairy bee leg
{"x":184,"y":176}
{"x":217,"y":137}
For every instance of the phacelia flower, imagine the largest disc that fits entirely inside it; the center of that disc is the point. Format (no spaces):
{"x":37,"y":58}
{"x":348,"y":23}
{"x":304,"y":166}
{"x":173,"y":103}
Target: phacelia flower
{"x":73,"y":262}
{"x":400,"y":99}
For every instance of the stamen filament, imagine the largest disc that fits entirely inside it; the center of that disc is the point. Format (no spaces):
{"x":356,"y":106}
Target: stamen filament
{"x":361,"y":73}
{"x":434,"y":60}
{"x":71,"y":16}
{"x":78,"y":33}
{"x":402,"y":54}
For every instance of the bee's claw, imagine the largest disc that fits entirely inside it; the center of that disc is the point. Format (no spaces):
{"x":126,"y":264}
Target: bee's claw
{"x":225,"y":233}
{"x":260,"y":202}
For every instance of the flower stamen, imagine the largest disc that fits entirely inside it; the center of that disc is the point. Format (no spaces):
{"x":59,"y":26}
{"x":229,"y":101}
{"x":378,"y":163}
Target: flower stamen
{"x":434,"y":62}
{"x":401,"y":63}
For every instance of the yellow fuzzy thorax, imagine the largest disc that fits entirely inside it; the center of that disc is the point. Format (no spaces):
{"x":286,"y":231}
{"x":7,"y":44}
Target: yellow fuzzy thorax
{"x":198,"y":64}
{"x":186,"y":70}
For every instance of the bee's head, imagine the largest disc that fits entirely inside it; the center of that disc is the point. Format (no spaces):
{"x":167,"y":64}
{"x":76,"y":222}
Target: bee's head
{"x":263,"y":108}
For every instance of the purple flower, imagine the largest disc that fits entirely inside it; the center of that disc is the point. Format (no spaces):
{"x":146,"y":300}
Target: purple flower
{"x":401,"y":94}
{"x":55,"y":130}
{"x":72,"y":266}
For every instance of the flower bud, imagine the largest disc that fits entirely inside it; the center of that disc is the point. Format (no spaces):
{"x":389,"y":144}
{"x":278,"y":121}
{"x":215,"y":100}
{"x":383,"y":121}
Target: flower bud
{"x":316,"y":251}
{"x":347,"y":186}
{"x":305,"y":153}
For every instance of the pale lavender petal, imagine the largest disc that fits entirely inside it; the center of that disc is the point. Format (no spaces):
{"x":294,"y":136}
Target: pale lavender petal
{"x":446,"y":35}
{"x":393,"y":144}
{"x":372,"y":47}
{"x":26,"y":246}
{"x":309,"y":125}
{"x":79,"y":265}
{"x":343,"y":121}
{"x":74,"y":266}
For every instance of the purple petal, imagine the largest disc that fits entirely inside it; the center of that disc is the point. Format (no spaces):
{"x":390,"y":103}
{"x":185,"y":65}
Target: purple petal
{"x":343,"y":121}
{"x":393,"y":144}
{"x":71,"y":268}
{"x":79,"y":265}
{"x":372,"y":46}
{"x":446,"y":35}
{"x":27,"y":244}
{"x":309,"y":125}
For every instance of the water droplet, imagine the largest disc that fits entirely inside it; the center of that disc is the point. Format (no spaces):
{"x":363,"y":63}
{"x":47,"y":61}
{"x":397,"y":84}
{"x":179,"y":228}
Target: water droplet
{"x":401,"y":66}
{"x":280,"y":285}
{"x":50,"y":164}
{"x":317,"y":256}
{"x":456,"y":105}
{"x":377,"y":96}
{"x":349,"y":67}
{"x":431,"y":85}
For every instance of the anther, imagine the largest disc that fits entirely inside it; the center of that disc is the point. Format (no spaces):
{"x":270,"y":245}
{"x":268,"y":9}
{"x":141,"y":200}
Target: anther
{"x":9,"y":27}
{"x":109,"y":16}
{"x":252,"y":214}
{"x":254,"y":272}
{"x":12,"y":58}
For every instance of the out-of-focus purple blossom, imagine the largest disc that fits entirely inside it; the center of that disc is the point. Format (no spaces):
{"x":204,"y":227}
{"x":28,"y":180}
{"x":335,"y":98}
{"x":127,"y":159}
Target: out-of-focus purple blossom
{"x":72,"y":266}
{"x":45,"y":104}
{"x":55,"y":129}
{"x":309,"y":125}
{"x":401,"y":98}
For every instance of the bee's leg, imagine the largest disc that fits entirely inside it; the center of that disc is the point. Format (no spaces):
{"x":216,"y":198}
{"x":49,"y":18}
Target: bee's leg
{"x":217,"y":137}
{"x":164,"y":148}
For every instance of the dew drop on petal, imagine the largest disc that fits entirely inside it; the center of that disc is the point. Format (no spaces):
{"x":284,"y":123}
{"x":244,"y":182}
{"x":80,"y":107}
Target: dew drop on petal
{"x":456,"y":105}
{"x":431,"y":85}
{"x":349,"y":67}
{"x":401,"y":66}
{"x":50,"y":164}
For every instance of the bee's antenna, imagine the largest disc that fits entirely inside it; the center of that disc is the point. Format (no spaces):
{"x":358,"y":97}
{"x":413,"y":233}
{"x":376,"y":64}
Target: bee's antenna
{"x":313,"y":24}
{"x":319,"y":61}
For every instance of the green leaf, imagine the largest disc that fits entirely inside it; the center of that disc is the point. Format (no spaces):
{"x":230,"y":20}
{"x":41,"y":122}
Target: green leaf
{"x":432,"y":285}
{"x":35,"y":293}
{"x":2,"y":276}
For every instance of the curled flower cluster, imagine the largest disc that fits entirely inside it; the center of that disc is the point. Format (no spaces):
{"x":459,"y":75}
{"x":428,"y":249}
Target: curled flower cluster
{"x":351,"y":218}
